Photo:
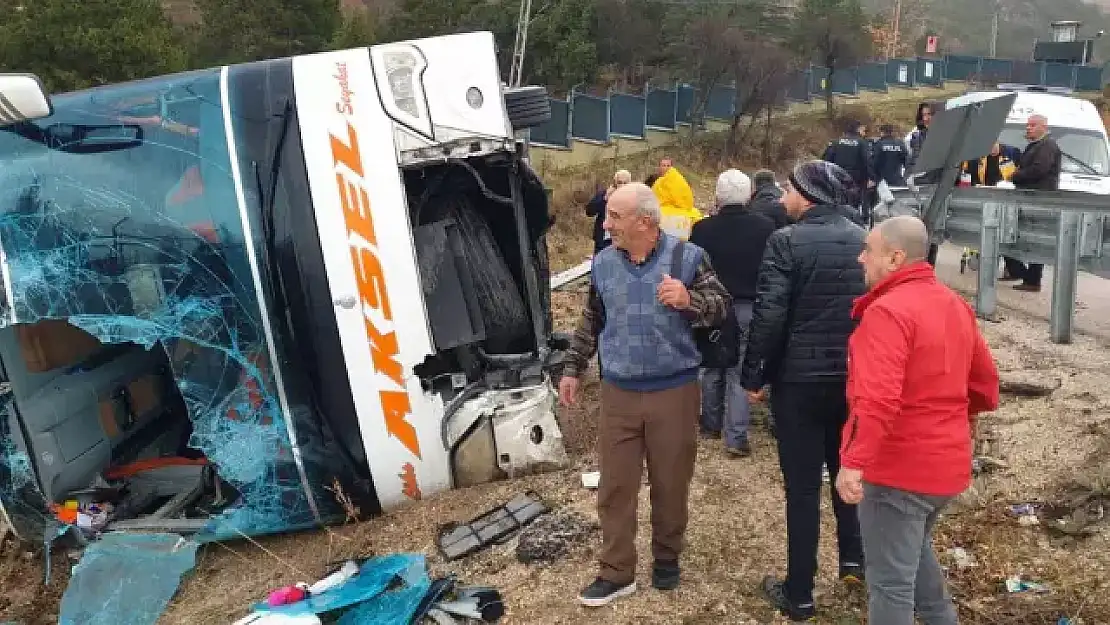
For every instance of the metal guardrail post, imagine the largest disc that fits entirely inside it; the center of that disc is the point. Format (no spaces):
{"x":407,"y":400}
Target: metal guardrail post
{"x":986,"y":295}
{"x":1065,"y":277}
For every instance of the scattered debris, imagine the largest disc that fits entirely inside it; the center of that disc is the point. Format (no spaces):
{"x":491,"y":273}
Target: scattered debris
{"x":591,"y":480}
{"x":963,"y":558}
{"x":551,"y":537}
{"x":1077,"y":513}
{"x":456,"y":541}
{"x":986,"y":464}
{"x":1016,"y":584}
{"x":1027,"y":383}
{"x":1026,"y":514}
{"x":388,"y":589}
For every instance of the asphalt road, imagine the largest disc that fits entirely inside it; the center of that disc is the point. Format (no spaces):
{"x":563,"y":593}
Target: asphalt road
{"x":1093,"y":294}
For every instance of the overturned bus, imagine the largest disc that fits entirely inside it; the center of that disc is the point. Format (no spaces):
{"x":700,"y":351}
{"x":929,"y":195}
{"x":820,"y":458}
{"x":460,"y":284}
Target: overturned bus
{"x":270,"y":296}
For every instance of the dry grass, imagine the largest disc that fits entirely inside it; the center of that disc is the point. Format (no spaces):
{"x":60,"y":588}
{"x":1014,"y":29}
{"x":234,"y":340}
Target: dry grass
{"x":736,"y":532}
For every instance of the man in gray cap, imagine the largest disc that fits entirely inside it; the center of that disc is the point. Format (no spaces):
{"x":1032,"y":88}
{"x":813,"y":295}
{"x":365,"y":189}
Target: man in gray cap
{"x":798,"y":343}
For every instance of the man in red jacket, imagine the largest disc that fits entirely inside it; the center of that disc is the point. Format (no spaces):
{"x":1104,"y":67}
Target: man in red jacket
{"x":919,"y":372}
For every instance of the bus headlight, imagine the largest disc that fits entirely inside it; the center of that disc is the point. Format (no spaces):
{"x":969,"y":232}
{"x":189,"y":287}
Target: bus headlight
{"x":399,"y":69}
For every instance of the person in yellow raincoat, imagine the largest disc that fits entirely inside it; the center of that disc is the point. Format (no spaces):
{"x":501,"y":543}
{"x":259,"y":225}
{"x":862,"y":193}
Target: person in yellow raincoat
{"x":676,"y":200}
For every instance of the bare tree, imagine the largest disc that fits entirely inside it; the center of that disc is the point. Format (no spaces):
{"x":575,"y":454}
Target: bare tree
{"x":762,"y":73}
{"x":716,"y":41}
{"x":833,"y":33}
{"x":708,"y":54}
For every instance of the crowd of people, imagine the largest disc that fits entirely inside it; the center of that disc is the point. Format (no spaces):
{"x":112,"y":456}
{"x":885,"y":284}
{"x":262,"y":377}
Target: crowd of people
{"x":874,"y":370}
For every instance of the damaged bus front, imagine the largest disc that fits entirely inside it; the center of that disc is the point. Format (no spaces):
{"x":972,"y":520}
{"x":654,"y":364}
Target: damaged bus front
{"x":262,"y":297}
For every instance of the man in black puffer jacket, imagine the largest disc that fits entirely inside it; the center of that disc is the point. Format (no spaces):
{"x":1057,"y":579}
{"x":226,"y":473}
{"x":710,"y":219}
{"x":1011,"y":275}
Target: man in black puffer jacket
{"x":767,"y":199}
{"x":798,"y":343}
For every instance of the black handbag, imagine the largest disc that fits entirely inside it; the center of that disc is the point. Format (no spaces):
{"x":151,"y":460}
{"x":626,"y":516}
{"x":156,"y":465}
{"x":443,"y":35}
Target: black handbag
{"x":719,"y":345}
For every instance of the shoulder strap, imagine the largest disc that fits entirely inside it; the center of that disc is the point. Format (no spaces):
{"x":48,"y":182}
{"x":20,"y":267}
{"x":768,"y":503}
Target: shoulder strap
{"x":676,"y":260}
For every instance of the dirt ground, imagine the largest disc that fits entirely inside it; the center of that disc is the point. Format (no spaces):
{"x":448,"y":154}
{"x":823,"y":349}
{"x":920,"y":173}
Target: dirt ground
{"x":736,"y":531}
{"x":1051,"y":446}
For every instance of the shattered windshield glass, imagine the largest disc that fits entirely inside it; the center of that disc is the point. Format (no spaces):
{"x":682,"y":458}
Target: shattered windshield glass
{"x":125,"y":215}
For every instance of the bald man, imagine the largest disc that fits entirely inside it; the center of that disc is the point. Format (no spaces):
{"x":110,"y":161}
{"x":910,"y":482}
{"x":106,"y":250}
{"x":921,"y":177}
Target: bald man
{"x":1038,"y":168}
{"x":919,"y":372}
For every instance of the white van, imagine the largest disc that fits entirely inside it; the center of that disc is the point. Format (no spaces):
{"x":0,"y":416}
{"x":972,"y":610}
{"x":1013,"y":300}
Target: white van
{"x":1074,"y":123}
{"x":262,"y":297}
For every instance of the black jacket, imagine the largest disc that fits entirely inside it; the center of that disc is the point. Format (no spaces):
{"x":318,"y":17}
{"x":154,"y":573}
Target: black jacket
{"x":1039,"y":166}
{"x":596,"y":208}
{"x":853,"y":154}
{"x":734,"y":240}
{"x":808,"y":280}
{"x":917,"y":141}
{"x":767,"y":201}
{"x":891,"y":157}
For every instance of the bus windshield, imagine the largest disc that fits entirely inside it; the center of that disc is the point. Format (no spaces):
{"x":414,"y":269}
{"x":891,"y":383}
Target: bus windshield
{"x":130,"y":214}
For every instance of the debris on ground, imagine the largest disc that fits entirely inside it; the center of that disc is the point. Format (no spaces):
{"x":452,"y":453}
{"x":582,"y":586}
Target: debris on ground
{"x":1078,"y":513}
{"x":987,"y":464}
{"x":388,"y":589}
{"x":493,"y":526}
{"x":1027,"y":383}
{"x":1015,"y":584}
{"x":1026,"y":514}
{"x":552,"y":537}
{"x":962,"y":558}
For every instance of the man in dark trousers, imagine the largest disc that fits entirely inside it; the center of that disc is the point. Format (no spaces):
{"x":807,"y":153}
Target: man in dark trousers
{"x":852,"y":152}
{"x":1038,"y":168}
{"x":734,"y":239}
{"x":891,"y":157}
{"x":767,"y":198}
{"x":648,"y":290}
{"x":798,"y":343}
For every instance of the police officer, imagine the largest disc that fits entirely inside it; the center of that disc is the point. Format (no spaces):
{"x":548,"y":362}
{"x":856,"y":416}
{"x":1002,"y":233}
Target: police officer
{"x":852,"y":152}
{"x":891,"y":157}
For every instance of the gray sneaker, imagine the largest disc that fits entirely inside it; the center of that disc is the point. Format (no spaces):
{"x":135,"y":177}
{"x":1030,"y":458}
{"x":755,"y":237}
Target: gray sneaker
{"x":743,"y":449}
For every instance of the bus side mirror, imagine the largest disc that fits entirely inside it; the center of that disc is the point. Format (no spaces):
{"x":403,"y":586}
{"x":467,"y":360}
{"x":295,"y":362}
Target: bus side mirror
{"x":22,"y":98}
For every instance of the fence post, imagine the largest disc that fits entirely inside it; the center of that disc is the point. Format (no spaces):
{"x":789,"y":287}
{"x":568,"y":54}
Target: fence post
{"x":986,"y":295}
{"x":1065,"y":277}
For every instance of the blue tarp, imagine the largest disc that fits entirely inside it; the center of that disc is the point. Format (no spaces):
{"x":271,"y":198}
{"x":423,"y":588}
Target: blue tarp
{"x":387,"y":590}
{"x":126,"y":579}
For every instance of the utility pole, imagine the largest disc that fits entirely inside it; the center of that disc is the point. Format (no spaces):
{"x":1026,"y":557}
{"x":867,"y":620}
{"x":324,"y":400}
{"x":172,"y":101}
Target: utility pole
{"x":994,"y":33}
{"x":895,"y":28}
{"x":516,"y":71}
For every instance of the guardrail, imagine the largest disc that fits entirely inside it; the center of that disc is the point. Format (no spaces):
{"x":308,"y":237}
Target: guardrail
{"x":1065,"y":229}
